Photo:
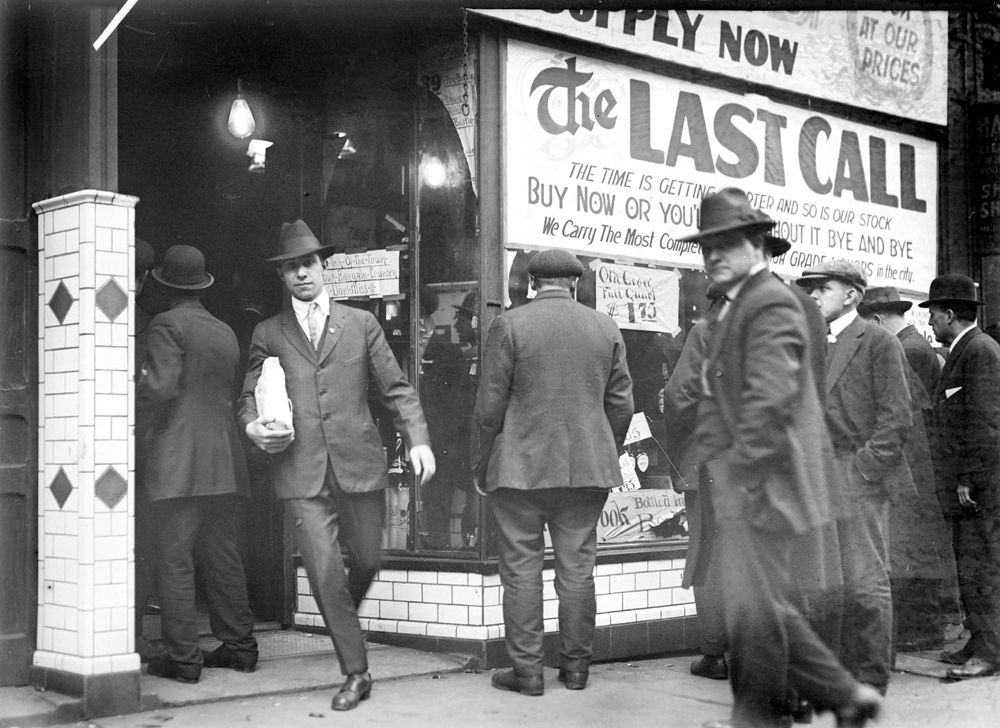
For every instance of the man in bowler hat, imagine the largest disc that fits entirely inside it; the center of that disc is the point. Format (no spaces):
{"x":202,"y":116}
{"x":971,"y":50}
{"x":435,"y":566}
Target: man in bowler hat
{"x":330,"y":467}
{"x":868,"y":411}
{"x":922,"y":574}
{"x":194,"y":472}
{"x":552,"y":411}
{"x":967,"y":458}
{"x":763,"y":476}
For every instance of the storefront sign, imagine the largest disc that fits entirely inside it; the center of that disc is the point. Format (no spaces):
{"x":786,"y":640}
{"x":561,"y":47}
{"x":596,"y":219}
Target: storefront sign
{"x":895,"y":62}
{"x":612,"y":162}
{"x":985,"y":124}
{"x":644,"y":299}
{"x":642,"y":515}
{"x":374,"y":273}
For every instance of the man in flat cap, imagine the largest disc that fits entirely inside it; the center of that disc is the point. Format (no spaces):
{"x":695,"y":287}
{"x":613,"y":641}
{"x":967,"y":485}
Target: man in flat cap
{"x":330,"y":468}
{"x":922,"y":573}
{"x":868,"y":412}
{"x":967,"y":457}
{"x":763,"y":477}
{"x":551,"y":416}
{"x":194,"y":472}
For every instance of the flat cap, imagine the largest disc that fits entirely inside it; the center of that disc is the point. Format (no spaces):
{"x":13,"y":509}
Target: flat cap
{"x":554,"y":263}
{"x":840,"y":270}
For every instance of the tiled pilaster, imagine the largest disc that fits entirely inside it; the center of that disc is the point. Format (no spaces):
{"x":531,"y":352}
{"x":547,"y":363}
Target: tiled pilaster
{"x":86,"y":471}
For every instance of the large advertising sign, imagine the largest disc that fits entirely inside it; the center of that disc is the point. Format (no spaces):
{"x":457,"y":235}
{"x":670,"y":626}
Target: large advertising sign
{"x":893,"y":61}
{"x":612,"y":162}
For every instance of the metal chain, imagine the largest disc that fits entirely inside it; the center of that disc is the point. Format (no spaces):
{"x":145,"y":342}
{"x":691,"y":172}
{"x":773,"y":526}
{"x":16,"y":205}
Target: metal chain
{"x":466,"y":108}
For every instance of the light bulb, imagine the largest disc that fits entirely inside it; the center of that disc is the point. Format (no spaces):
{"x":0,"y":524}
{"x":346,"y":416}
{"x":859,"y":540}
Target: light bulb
{"x":241,"y":123}
{"x":435,"y":174}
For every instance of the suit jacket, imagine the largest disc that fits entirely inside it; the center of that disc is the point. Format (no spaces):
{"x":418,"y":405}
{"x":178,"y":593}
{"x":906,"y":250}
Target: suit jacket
{"x":760,"y":422}
{"x":184,"y":406}
{"x":868,"y":409}
{"x":329,"y":394}
{"x":554,"y":400}
{"x":921,"y":357}
{"x":967,"y":423}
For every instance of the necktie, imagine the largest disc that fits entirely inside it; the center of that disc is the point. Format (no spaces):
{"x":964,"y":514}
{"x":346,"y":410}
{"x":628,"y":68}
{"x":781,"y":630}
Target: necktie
{"x":313,"y":323}
{"x":831,"y":345}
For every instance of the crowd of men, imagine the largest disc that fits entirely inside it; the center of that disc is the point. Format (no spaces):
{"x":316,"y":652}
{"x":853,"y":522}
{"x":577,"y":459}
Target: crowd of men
{"x":835,"y":473}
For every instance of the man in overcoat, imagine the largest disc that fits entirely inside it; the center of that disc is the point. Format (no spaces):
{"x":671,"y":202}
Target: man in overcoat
{"x":551,"y":415}
{"x":967,"y":457}
{"x":330,"y":468}
{"x":868,"y":414}
{"x":194,"y":472}
{"x":922,"y":575}
{"x":764,"y":476}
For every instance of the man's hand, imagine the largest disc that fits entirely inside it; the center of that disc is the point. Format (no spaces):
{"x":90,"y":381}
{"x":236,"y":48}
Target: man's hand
{"x":965,"y":496}
{"x":422,"y":460}
{"x":478,"y":485}
{"x":267,"y":439}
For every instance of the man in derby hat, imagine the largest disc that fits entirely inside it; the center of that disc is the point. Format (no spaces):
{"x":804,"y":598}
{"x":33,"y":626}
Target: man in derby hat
{"x":922,"y":564}
{"x":551,"y":414}
{"x":868,"y":410}
{"x":194,"y":472}
{"x":764,"y":454}
{"x":330,"y":468}
{"x":967,"y":457}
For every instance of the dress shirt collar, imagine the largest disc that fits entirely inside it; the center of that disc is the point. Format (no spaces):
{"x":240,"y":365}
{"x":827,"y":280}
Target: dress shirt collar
{"x":301,"y":308}
{"x":734,"y":291}
{"x":964,"y":331}
{"x":838,"y":325}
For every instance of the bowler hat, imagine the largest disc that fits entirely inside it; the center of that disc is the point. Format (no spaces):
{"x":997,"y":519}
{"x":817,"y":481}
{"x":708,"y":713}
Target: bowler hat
{"x":952,"y":287}
{"x":883,"y":299}
{"x":296,"y":240}
{"x":776,"y":246}
{"x":184,"y":268}
{"x":145,"y":256}
{"x":555,"y":263}
{"x":839,"y":270}
{"x":728,"y":210}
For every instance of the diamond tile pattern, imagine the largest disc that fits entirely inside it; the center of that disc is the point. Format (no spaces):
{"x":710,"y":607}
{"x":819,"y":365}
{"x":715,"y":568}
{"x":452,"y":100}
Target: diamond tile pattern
{"x":111,"y":299}
{"x":61,"y":487}
{"x":111,"y":487}
{"x":61,"y":302}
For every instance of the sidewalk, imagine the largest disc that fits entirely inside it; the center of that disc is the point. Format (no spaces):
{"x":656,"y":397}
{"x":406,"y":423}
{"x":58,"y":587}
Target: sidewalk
{"x":288,"y":664}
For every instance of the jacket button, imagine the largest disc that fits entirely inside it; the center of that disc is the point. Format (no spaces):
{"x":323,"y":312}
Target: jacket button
{"x":718,"y":372}
{"x":322,"y":391}
{"x":326,"y":417}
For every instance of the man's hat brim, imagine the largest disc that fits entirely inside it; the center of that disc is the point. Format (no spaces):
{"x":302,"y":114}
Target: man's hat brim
{"x":324,"y":252}
{"x":204,"y":283}
{"x":899,"y":307}
{"x":927,"y":303}
{"x":759,"y":226}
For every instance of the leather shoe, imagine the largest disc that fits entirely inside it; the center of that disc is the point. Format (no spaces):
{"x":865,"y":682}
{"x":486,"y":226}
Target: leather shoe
{"x":959,"y":656}
{"x":865,"y":704}
{"x":975,"y":667}
{"x":356,"y":688}
{"x":223,"y":656}
{"x":510,"y":680}
{"x":162,"y":666}
{"x":713,"y":667}
{"x":575,"y":680}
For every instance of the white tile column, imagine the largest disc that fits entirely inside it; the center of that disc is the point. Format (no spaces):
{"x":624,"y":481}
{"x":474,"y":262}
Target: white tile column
{"x":86,"y":306}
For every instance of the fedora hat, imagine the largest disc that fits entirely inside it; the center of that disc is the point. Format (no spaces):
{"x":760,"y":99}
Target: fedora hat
{"x":883,"y":299}
{"x":727,"y":210}
{"x":952,"y":287}
{"x":296,"y":240}
{"x":184,"y":268}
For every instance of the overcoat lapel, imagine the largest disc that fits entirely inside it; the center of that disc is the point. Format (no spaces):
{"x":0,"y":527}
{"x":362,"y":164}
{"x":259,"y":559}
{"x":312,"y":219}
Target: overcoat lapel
{"x":334,"y":328}
{"x":847,"y":346}
{"x":953,"y":357}
{"x":293,"y":332}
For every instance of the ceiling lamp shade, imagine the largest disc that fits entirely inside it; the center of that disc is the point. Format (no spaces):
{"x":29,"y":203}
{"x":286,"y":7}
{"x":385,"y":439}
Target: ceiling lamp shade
{"x":241,"y":123}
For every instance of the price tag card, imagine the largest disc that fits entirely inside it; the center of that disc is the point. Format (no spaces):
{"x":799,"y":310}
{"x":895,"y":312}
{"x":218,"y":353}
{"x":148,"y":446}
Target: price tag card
{"x":638,"y":429}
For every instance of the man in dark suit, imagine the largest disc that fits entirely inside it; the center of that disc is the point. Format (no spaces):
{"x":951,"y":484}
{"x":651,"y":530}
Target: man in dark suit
{"x":552,"y":411}
{"x":761,"y":434}
{"x":922,"y":573}
{"x":868,"y":413}
{"x":967,"y":457}
{"x":194,"y":472}
{"x":330,"y":467}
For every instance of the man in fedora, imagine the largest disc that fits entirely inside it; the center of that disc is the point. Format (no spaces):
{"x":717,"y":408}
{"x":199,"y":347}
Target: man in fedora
{"x":868,"y":410}
{"x":194,"y":472}
{"x":551,"y":414}
{"x":967,"y":457}
{"x":922,"y":574}
{"x":763,"y":476}
{"x":330,"y":467}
